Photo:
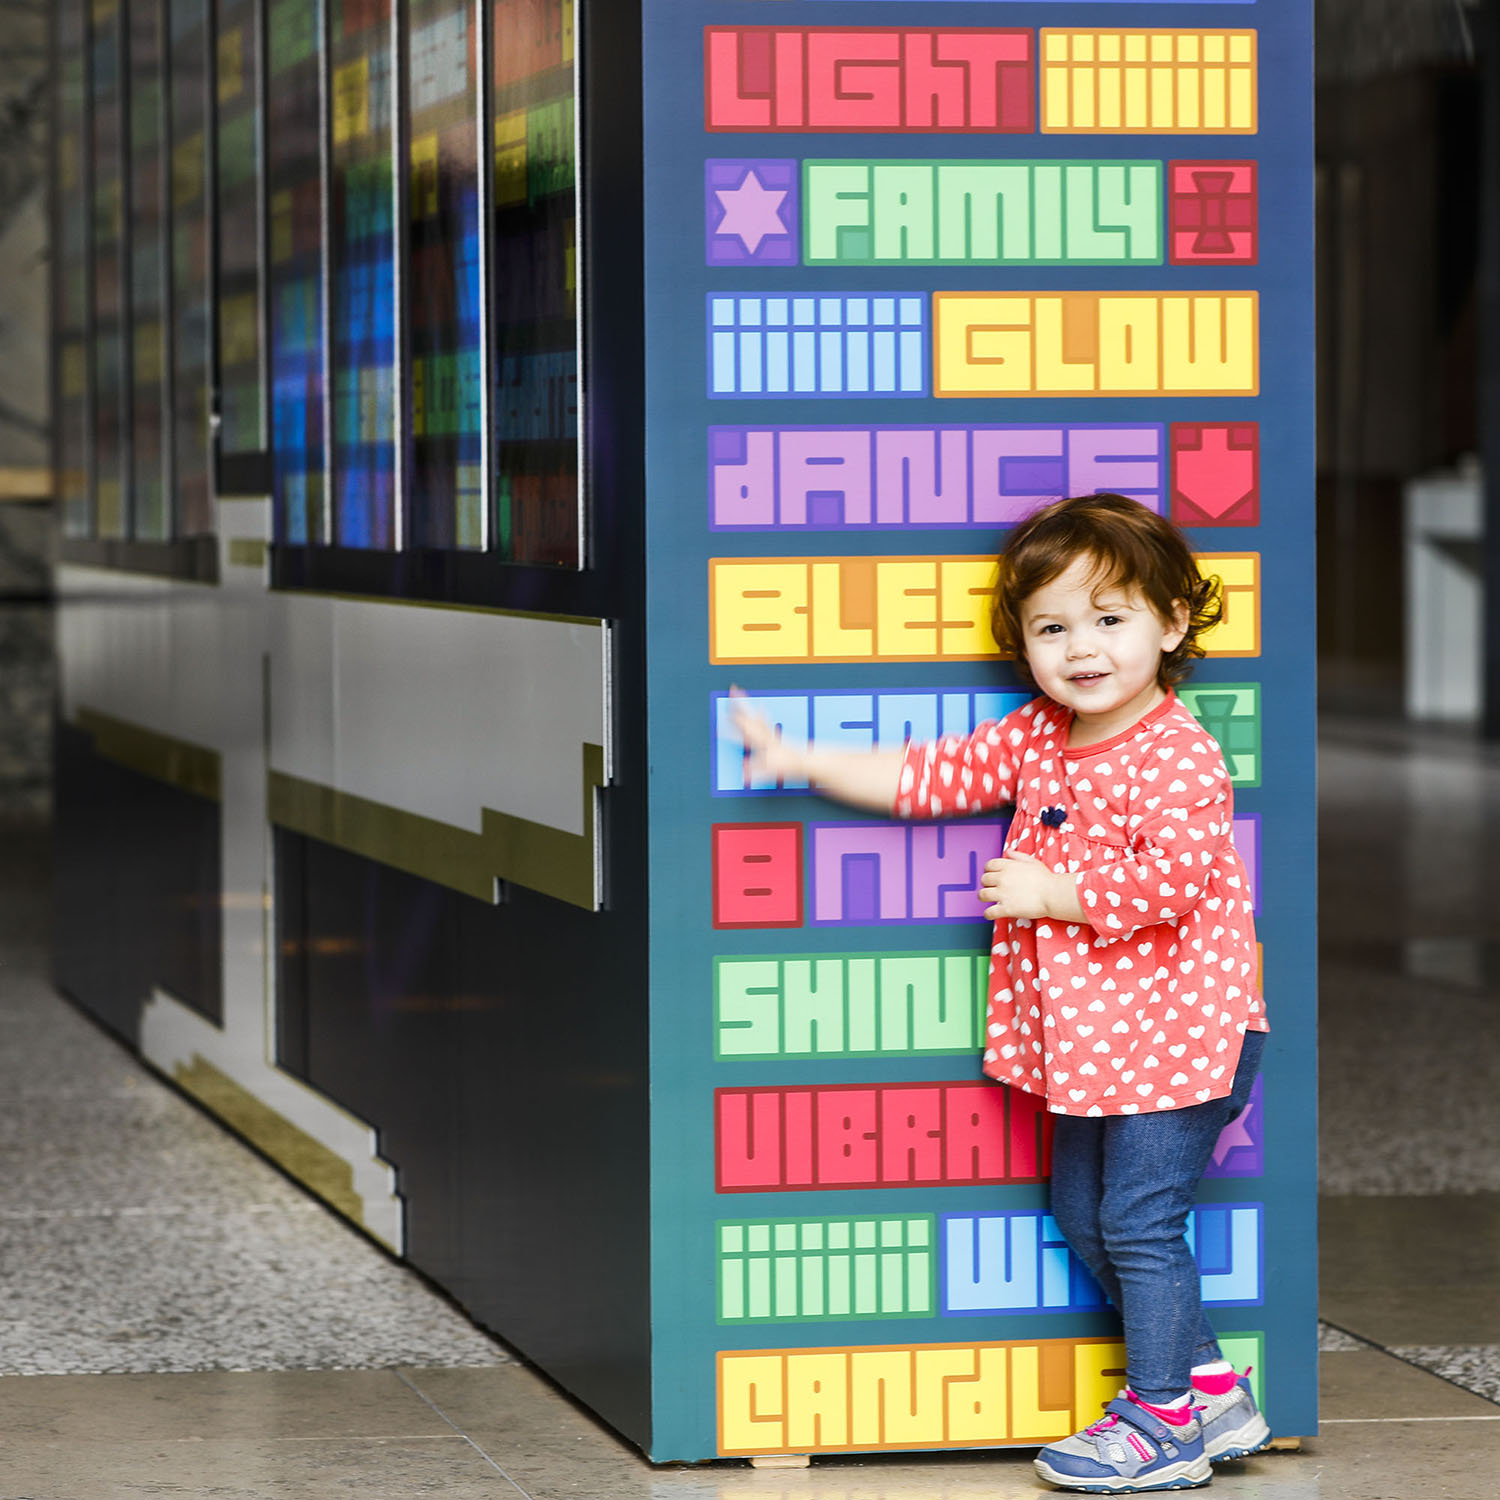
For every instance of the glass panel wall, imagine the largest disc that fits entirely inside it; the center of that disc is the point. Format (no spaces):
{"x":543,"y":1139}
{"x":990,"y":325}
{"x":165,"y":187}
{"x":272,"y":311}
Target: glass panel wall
{"x":362,"y":275}
{"x":537,"y":506}
{"x":191,"y":367}
{"x":294,"y":187}
{"x":446,"y":445}
{"x":242,"y":423}
{"x":72,"y":281}
{"x":106,"y":99}
{"x":150,"y":484}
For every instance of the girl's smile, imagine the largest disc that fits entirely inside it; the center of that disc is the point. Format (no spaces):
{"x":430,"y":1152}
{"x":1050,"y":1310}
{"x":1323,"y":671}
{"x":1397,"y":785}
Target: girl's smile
{"x":1097,"y":649}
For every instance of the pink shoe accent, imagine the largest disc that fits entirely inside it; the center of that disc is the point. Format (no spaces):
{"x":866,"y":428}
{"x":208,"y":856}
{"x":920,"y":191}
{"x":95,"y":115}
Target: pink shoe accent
{"x":1218,"y":1385}
{"x":1173,"y":1416}
{"x":1138,"y":1443}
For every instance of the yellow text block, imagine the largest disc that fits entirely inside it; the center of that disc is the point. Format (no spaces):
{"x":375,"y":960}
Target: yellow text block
{"x":1238,"y":630}
{"x":845,"y":609}
{"x":1096,"y":343}
{"x":1144,"y":82}
{"x":913,"y":1396}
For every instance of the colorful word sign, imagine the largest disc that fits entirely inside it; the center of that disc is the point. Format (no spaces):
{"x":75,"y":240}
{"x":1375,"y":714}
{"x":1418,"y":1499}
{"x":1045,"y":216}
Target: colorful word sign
{"x":853,"y":720}
{"x":971,"y":1395}
{"x":1030,"y":213}
{"x":1230,"y":711}
{"x":1216,"y":473}
{"x":765,"y":609}
{"x":812,"y":1270}
{"x":826,"y":346}
{"x":864,"y":1005}
{"x":875,"y":874}
{"x":1096,"y":343}
{"x":1148,"y":82}
{"x":1020,"y":1263}
{"x":859,"y":478}
{"x":878,"y":1136}
{"x":1007,"y":1264}
{"x":868,"y":78}
{"x":867,"y":873}
{"x":1212,"y":213}
{"x":849,"y":720}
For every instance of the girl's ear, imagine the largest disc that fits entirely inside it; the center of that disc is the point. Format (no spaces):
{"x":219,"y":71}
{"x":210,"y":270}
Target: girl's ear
{"x":1177,"y":626}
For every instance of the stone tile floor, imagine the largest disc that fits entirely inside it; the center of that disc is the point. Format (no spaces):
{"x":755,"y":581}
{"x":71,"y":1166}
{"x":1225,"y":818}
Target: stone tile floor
{"x":263,"y":1349}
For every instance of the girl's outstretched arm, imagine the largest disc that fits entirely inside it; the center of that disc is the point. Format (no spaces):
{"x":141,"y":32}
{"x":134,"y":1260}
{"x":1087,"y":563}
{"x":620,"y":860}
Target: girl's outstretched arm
{"x":862,"y":778}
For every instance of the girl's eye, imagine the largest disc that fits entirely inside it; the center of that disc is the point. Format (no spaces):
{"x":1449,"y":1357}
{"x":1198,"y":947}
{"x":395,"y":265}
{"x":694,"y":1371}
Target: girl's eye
{"x":1048,"y":629}
{"x":1110,"y":620}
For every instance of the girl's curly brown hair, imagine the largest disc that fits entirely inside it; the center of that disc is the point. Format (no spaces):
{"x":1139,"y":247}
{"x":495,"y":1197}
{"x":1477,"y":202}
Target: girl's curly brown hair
{"x":1132,"y":547}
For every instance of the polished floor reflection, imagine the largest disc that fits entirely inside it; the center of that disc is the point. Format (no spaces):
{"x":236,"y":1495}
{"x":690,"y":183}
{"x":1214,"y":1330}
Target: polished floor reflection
{"x":289,"y":1358}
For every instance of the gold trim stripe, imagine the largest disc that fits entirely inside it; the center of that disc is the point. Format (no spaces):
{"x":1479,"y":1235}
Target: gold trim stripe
{"x":321,"y":1169}
{"x":179,"y":763}
{"x":247,"y":551}
{"x":544,"y":859}
{"x":591,"y":621}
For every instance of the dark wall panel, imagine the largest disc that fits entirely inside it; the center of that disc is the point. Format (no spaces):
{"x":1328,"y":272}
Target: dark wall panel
{"x":137,"y":888}
{"x":501,"y":1051}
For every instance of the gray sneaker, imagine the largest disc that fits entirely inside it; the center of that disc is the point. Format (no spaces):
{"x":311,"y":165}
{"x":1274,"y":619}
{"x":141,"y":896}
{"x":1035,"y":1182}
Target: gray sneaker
{"x":1232,"y":1423}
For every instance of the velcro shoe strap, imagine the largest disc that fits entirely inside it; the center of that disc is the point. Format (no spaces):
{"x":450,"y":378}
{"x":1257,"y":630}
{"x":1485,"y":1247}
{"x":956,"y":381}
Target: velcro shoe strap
{"x":1141,"y":1419}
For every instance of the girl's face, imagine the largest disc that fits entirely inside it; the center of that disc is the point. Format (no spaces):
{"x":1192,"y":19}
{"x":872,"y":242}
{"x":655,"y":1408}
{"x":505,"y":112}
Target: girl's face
{"x":1096,"y":648}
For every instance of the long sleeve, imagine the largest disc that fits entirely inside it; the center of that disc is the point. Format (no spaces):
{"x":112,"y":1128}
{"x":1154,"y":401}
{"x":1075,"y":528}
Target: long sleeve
{"x":959,"y":774}
{"x":1186,"y":816}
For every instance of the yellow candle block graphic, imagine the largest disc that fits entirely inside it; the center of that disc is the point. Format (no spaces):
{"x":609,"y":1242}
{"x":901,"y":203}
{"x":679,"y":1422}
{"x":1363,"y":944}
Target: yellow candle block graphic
{"x":1095,"y":344}
{"x":913,"y":1396}
{"x":1114,"y":82}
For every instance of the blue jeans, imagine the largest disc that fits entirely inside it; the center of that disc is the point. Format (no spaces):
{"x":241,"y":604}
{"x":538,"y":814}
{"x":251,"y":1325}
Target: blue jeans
{"x":1122,"y":1188}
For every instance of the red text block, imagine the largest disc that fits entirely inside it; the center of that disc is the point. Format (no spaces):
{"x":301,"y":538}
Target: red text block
{"x":757,"y":874}
{"x":878,"y":1136}
{"x":1216,"y":473}
{"x":1212,"y":213}
{"x":868,"y":78}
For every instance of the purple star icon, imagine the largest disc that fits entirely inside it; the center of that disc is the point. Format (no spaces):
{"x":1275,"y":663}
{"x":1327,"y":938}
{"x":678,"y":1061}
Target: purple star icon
{"x":750,"y":212}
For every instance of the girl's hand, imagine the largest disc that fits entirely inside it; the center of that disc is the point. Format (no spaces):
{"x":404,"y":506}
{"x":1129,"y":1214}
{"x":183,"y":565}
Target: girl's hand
{"x":1018,"y":885}
{"x":771,"y":758}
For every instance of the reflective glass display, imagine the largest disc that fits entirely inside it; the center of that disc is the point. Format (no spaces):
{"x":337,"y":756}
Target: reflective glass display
{"x":295,"y":273}
{"x":446,"y":475}
{"x":362,"y":275}
{"x":106,"y":100}
{"x":537,"y":507}
{"x":241,"y":383}
{"x":150,"y":515}
{"x":72,"y":379}
{"x":191,"y":370}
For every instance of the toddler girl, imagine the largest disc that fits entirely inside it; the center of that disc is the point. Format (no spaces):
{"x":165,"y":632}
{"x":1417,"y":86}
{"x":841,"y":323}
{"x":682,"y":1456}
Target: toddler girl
{"x":1123,"y":977}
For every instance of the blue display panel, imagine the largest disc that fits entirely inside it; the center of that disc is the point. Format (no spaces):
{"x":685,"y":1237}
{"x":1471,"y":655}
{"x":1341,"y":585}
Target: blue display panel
{"x":192,"y":369}
{"x":150,"y":514}
{"x":910,"y":276}
{"x":535,"y":393}
{"x":106,"y":48}
{"x":446,"y":476}
{"x":71,"y":383}
{"x":294,"y":275}
{"x":242,"y":401}
{"x":362,"y":274}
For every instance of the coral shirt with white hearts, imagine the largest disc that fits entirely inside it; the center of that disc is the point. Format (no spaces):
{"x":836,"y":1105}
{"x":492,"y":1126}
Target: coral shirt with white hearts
{"x":1143,"y":1007}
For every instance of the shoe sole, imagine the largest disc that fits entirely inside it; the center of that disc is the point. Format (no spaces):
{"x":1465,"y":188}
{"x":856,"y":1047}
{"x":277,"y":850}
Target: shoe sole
{"x":1253,"y":1437}
{"x":1182,"y":1477}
